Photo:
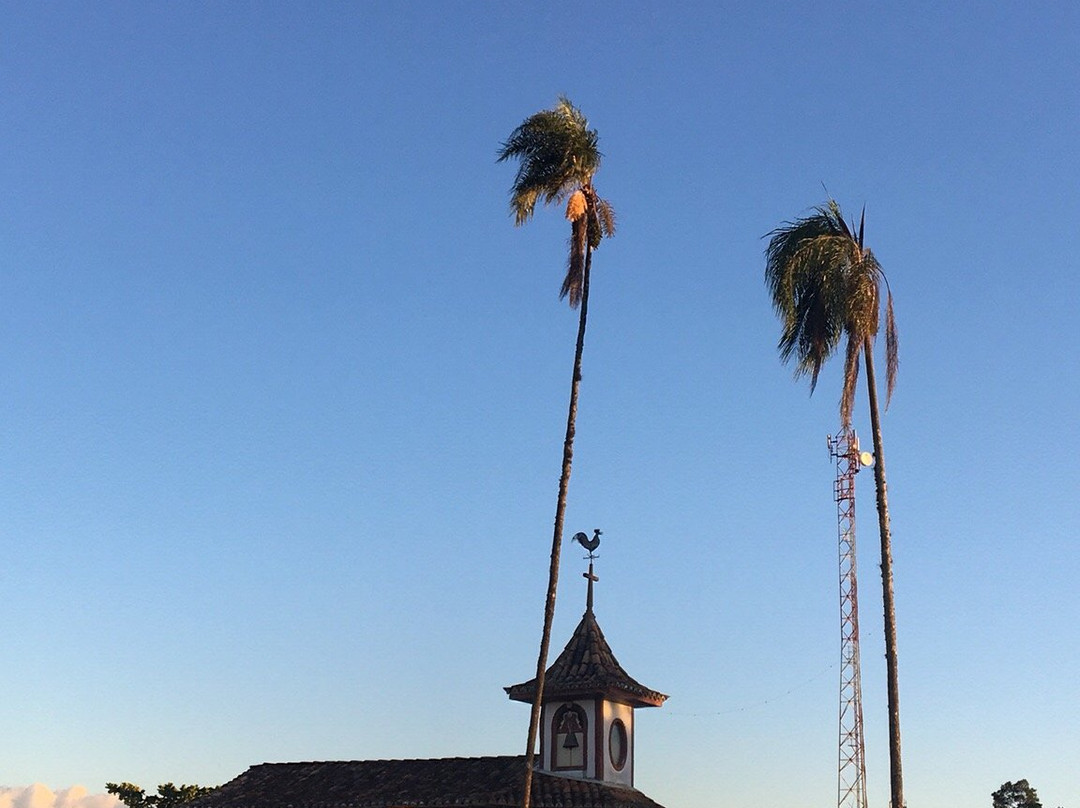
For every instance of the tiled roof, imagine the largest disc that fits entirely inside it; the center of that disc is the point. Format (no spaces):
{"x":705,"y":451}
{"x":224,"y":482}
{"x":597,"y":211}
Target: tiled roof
{"x":587,"y":667}
{"x":485,"y":782}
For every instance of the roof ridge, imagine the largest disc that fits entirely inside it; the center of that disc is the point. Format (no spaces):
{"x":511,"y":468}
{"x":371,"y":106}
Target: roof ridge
{"x":468,"y":782}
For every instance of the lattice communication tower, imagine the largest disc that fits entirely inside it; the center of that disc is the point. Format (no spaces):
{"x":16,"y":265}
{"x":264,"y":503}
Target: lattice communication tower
{"x":851,"y":780}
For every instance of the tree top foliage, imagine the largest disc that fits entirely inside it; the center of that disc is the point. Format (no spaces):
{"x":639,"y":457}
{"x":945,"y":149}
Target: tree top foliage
{"x":558,"y":154}
{"x":825,"y":285}
{"x":168,"y":795}
{"x":1016,"y":795}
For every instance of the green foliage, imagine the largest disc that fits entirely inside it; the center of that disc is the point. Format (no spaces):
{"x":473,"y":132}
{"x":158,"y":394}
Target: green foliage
{"x":558,"y":156}
{"x":1016,"y":795}
{"x":825,"y":286}
{"x":168,"y":795}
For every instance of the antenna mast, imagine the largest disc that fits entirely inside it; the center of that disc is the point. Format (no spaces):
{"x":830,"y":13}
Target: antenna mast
{"x":851,"y":779}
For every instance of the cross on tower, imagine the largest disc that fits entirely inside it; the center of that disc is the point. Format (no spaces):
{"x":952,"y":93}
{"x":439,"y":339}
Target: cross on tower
{"x":592,"y":579}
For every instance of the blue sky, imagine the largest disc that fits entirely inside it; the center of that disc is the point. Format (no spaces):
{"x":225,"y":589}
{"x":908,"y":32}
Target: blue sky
{"x":284,"y":389}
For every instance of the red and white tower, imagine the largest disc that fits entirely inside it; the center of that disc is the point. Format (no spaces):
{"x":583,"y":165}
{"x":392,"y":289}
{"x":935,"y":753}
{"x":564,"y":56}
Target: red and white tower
{"x":851,"y":779}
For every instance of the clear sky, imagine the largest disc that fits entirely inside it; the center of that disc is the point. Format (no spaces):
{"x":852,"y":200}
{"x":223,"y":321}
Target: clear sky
{"x":283,"y":389}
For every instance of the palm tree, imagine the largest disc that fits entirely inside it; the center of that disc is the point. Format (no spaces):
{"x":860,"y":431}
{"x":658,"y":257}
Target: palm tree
{"x":826,"y":286}
{"x":558,"y":156}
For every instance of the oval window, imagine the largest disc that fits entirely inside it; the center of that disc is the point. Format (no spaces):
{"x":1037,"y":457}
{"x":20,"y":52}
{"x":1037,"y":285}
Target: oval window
{"x":617,"y":744}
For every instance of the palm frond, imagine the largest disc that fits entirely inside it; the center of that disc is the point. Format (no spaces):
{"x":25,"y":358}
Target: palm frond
{"x":824,"y":286}
{"x":592,"y":227}
{"x":861,"y":301}
{"x":807,"y":297}
{"x":558,"y":153}
{"x":816,"y":327}
{"x":790,"y":247}
{"x":832,"y":210}
{"x":851,"y":379}
{"x":601,"y":218}
{"x":892,"y":349}
{"x":575,"y":270}
{"x":605,"y":215}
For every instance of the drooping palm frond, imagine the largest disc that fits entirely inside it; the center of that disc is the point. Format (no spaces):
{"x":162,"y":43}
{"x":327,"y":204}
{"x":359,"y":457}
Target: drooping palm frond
{"x":592,"y":219}
{"x":605,"y":216}
{"x":809,"y":300}
{"x":791,"y":248}
{"x":862,"y":303}
{"x":851,"y":380}
{"x":892,"y":349}
{"x":575,"y":270}
{"x":557,"y":152}
{"x":825,"y":285}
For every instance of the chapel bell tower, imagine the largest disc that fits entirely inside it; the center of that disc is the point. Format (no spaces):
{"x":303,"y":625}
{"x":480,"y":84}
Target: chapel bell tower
{"x":587,"y":712}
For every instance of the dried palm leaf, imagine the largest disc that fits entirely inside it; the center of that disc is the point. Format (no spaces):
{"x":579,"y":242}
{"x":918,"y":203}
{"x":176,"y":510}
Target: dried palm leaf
{"x":575,"y":270}
{"x":851,"y":379}
{"x":892,"y":349}
{"x":606,"y":216}
{"x":576,"y":205}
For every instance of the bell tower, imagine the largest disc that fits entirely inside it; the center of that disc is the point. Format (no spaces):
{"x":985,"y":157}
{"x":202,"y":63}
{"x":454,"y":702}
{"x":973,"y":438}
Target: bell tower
{"x":587,"y":711}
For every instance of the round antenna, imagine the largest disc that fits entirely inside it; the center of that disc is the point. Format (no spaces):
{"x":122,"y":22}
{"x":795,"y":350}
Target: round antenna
{"x":866,"y":458}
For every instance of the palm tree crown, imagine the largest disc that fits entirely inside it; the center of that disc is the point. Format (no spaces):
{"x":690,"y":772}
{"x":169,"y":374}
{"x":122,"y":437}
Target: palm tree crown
{"x":558,"y":157}
{"x":826,"y":285}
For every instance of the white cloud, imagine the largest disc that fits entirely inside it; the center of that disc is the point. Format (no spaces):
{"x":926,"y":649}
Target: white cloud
{"x":39,"y":796}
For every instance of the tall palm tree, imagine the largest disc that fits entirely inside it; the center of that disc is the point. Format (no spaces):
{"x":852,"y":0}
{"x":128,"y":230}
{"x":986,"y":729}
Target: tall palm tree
{"x":558,"y":156}
{"x":826,"y":286}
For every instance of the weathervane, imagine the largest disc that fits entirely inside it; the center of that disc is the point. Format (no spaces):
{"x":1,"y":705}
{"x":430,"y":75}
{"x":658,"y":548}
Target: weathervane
{"x":590,"y":545}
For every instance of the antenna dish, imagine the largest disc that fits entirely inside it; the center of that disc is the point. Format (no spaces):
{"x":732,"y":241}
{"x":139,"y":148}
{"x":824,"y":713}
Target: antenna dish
{"x":866,"y":458}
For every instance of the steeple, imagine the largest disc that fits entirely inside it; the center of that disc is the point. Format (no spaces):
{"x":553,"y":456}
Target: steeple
{"x":587,"y":717}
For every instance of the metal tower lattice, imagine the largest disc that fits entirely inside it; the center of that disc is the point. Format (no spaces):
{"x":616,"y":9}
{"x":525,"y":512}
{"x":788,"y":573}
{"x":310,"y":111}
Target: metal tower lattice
{"x":851,"y":779}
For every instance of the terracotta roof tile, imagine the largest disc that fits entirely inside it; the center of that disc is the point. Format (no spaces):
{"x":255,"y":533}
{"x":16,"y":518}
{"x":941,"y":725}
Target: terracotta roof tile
{"x":485,"y":782}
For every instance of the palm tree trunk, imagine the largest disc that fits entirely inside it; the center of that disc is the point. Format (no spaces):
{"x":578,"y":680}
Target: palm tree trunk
{"x":896,"y":777}
{"x":556,"y":540}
